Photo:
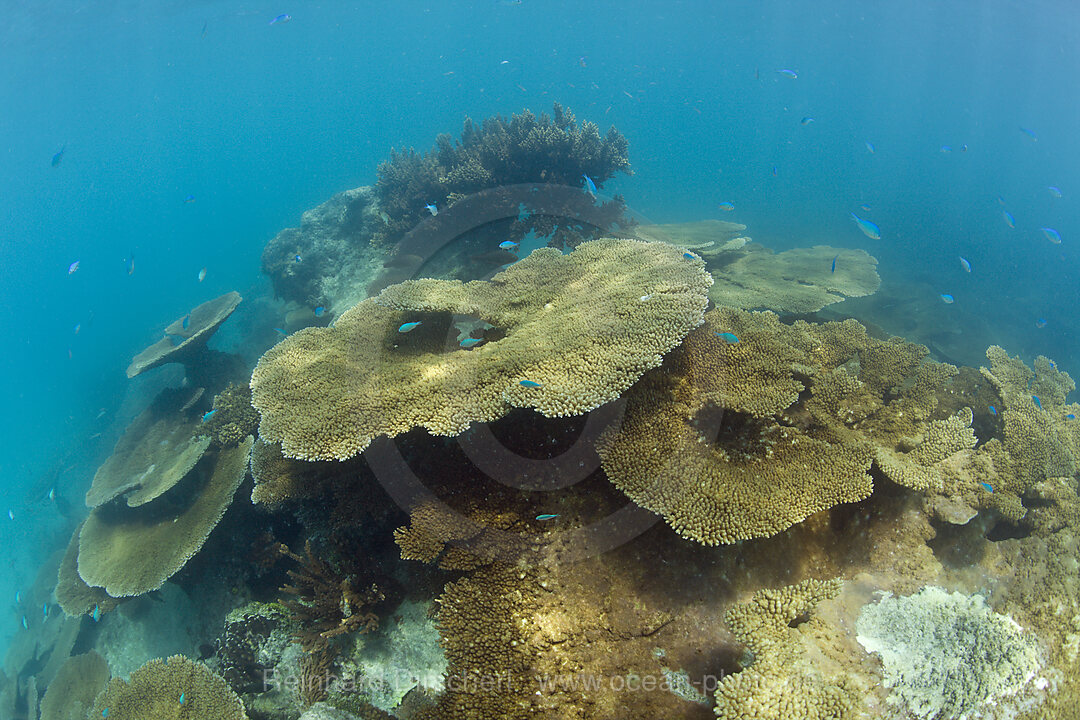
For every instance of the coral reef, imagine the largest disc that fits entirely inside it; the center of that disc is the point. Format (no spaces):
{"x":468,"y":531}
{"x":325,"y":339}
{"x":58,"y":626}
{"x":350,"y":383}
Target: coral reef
{"x":700,"y":444}
{"x":193,"y":330}
{"x":252,"y":639}
{"x":73,"y":595}
{"x":325,"y":393}
{"x":156,"y":451}
{"x":947,"y":654}
{"x":233,"y":418}
{"x":131,"y":551}
{"x":279,"y":480}
{"x":778,"y":683}
{"x":794,"y":281}
{"x":72,"y":692}
{"x":166,"y":689}
{"x":524,"y":149}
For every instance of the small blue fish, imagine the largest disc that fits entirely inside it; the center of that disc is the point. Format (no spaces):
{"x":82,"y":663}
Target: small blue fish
{"x":432,"y":208}
{"x":993,"y":410}
{"x":45,"y":609}
{"x":409,"y":326}
{"x":186,"y":322}
{"x":281,"y":332}
{"x":729,"y":338}
{"x":987,"y":487}
{"x":58,"y":157}
{"x":726,"y":206}
{"x":806,"y":120}
{"x":182,"y":697}
{"x":319,"y":310}
{"x":868,"y":228}
{"x":297,"y":258}
{"x":470,"y":342}
{"x":775,"y":172}
{"x":1009,"y":219}
{"x":105,"y":713}
{"x":1030,"y":133}
{"x":530,"y":384}
{"x":788,"y":73}
{"x":1037,"y":401}
{"x":78,"y":327}
{"x":833,"y":268}
{"x":965,"y":264}
{"x":25,"y":624}
{"x":207,"y":415}
{"x":189,"y":199}
{"x":73,"y":267}
{"x":689,"y":256}
{"x":1040,"y":323}
{"x":96,"y":615}
{"x":508,"y":245}
{"x":18,"y":597}
{"x":11,"y":514}
{"x":1052,"y":235}
{"x":1054,"y":192}
{"x":282,"y":18}
{"x":1070,"y":416}
{"x":946,"y":149}
{"x":590,"y":186}
{"x":870,"y":147}
{"x":547,"y":516}
{"x":947,"y":298}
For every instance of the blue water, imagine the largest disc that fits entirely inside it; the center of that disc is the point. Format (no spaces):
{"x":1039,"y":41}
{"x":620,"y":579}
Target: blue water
{"x":153,"y":102}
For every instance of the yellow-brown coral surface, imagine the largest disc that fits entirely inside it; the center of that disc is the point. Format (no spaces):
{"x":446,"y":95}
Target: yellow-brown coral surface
{"x":155,"y":690}
{"x":577,"y":329}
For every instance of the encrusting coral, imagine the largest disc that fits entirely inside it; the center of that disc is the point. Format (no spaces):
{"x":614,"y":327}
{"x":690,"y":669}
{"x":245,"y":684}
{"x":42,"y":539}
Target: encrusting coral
{"x":524,"y":149}
{"x":72,"y":692}
{"x":157,"y":450}
{"x":193,"y":331}
{"x":778,"y":683}
{"x":574,"y":332}
{"x":131,"y":551}
{"x":169,"y":689}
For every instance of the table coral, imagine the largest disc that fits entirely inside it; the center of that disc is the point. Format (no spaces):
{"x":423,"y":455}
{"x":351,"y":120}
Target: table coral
{"x":794,"y":281}
{"x":131,"y":551}
{"x":76,"y":685}
{"x":193,"y":330}
{"x":577,"y":330}
{"x":156,"y":451}
{"x":155,"y":690}
{"x":73,"y":595}
{"x":700,"y":444}
{"x":778,"y":684}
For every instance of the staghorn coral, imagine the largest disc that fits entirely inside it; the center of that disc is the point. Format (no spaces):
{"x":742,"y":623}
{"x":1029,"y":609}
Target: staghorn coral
{"x":794,"y":281}
{"x":72,"y":692}
{"x":233,"y":417}
{"x":328,"y":601}
{"x":779,"y":683}
{"x":131,"y":551}
{"x":193,"y":330}
{"x":159,"y":447}
{"x":325,"y":393}
{"x":699,"y":444}
{"x":155,"y":689}
{"x":73,"y":595}
{"x":524,"y":149}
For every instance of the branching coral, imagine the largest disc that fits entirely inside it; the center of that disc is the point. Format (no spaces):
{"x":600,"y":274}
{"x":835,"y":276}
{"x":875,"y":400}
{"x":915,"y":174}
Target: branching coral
{"x":778,"y":683}
{"x":327,"y":602}
{"x":577,"y":330}
{"x":169,"y":690}
{"x":523,"y":149}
